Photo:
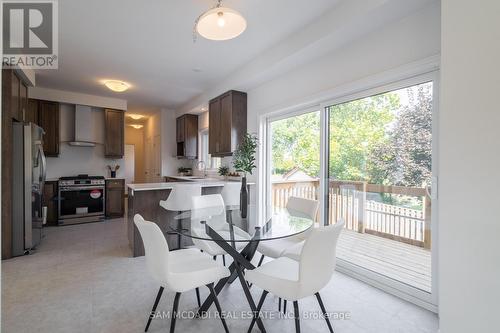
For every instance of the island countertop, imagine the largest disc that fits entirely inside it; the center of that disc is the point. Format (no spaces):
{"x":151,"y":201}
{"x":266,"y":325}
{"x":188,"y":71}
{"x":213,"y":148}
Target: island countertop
{"x":170,"y":185}
{"x":144,"y":199}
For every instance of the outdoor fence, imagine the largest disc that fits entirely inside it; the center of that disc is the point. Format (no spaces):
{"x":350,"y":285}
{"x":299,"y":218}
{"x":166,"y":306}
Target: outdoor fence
{"x":347,"y":200}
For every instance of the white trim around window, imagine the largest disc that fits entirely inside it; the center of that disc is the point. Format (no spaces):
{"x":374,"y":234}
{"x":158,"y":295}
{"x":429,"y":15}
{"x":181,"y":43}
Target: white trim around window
{"x":404,"y":76}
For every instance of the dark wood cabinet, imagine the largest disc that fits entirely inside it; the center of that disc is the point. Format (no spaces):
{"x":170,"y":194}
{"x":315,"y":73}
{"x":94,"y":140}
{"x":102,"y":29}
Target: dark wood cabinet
{"x":187,"y":136}
{"x":115,"y":198}
{"x":214,"y":125}
{"x":114,"y":142}
{"x":227,"y":122}
{"x":49,"y":199}
{"x":181,"y":122}
{"x":48,"y":115}
{"x":15,"y":97}
{"x":32,"y":115}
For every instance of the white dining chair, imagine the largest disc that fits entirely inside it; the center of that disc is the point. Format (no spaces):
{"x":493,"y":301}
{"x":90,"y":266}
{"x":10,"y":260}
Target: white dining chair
{"x":231,"y":193}
{"x":294,"y":280}
{"x":178,"y":271}
{"x":179,"y":201}
{"x":296,"y":206}
{"x":212,"y":207}
{"x":295,"y":251}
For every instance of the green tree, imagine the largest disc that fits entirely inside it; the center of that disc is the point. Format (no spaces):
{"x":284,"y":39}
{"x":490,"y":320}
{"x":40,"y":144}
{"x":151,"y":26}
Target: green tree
{"x":295,"y":143}
{"x":406,"y":159}
{"x":376,"y":139}
{"x":357,"y":127}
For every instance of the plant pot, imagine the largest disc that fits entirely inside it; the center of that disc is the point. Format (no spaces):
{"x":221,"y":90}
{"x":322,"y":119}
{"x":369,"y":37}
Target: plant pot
{"x":244,"y":198}
{"x":113,"y":174}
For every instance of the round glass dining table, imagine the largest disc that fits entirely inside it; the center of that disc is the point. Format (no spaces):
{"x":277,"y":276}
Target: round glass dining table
{"x":239,"y":237}
{"x":283,"y":223}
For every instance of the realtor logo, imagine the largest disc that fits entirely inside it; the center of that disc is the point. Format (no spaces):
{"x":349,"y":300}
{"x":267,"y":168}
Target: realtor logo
{"x":30,"y":34}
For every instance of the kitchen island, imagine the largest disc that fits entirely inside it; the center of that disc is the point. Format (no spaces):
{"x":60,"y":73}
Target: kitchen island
{"x":144,"y":199}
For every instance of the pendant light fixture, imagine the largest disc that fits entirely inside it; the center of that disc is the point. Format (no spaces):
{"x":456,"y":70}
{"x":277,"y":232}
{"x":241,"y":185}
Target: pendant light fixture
{"x":219,"y":23}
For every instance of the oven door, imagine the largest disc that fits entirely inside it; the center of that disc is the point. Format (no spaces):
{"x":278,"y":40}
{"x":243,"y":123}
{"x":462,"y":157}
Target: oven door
{"x":79,"y":201}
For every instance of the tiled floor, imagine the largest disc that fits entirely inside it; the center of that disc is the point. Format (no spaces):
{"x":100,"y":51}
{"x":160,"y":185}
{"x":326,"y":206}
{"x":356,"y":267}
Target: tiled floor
{"x":82,"y":279}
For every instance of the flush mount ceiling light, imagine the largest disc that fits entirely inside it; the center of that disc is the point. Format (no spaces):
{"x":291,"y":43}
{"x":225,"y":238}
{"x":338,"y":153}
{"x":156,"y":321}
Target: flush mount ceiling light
{"x":220,"y":23}
{"x":116,"y":86}
{"x":136,"y":116}
{"x":136,"y":126}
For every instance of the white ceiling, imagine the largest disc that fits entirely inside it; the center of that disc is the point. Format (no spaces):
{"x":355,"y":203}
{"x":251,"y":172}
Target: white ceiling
{"x":149,"y":44}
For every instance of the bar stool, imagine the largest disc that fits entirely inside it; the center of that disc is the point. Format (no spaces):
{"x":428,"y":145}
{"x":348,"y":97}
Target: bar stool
{"x":231,"y":193}
{"x":179,"y":200}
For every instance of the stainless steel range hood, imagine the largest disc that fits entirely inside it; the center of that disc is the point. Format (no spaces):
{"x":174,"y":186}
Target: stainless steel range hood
{"x":84,"y":132}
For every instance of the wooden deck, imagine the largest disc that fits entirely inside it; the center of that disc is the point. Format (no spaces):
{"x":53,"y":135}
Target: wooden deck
{"x":406,"y":263}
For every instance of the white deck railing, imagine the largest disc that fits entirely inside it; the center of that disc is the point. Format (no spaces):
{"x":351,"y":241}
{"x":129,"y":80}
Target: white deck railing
{"x":347,"y":200}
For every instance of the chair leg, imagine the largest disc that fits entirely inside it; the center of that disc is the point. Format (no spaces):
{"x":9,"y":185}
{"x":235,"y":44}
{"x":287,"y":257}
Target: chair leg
{"x":322,"y":306}
{"x":224,"y":259}
{"x":217,"y":305}
{"x":284,"y":306}
{"x":153,"y":311}
{"x":198,"y":297}
{"x":256,"y":314}
{"x":174,"y":312}
{"x":279,"y":304}
{"x":261,"y":260}
{"x":297,"y":318}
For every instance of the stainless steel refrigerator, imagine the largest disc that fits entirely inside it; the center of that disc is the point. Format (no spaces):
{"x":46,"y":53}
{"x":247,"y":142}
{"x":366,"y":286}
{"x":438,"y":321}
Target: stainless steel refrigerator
{"x":29,"y":170}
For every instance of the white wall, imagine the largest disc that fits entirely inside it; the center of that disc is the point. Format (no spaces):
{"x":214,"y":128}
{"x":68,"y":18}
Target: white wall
{"x":80,"y":160}
{"x":469,"y":223}
{"x":135,"y":137}
{"x":411,"y":39}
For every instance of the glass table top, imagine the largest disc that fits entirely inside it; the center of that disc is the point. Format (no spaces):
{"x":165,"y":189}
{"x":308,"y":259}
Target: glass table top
{"x":228,"y":223}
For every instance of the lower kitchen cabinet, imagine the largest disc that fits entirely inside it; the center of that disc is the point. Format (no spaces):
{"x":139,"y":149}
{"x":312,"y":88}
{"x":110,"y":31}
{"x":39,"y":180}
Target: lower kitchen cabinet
{"x":115,"y":198}
{"x":49,"y":199}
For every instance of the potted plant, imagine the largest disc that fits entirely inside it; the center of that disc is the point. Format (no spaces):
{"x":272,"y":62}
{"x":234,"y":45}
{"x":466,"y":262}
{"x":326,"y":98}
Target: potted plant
{"x":244,"y":161}
{"x":182,"y":171}
{"x":223,"y":171}
{"x":113,"y":169}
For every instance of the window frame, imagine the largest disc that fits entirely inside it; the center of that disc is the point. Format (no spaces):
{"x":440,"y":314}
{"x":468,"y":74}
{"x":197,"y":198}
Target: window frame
{"x":425,"y":70}
{"x":209,"y":164}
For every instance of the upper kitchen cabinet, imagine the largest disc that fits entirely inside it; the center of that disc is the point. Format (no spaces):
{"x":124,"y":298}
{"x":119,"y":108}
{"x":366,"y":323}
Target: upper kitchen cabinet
{"x":114,"y":142}
{"x":18,"y":95}
{"x":227,"y":122}
{"x":32,"y":115}
{"x":48,"y":119}
{"x":187,"y":136}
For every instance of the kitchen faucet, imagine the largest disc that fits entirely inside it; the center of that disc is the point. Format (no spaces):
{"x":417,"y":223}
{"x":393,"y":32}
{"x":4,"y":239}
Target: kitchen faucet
{"x":204,"y":167}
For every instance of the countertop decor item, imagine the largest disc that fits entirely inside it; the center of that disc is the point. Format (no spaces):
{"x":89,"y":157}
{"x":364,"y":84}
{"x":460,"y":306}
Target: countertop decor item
{"x":183,"y":171}
{"x":223,"y":171}
{"x":244,"y":161}
{"x":113,"y":169}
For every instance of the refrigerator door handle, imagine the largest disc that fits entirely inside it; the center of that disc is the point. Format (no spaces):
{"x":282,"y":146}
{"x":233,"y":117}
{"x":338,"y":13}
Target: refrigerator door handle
{"x":43,"y":173}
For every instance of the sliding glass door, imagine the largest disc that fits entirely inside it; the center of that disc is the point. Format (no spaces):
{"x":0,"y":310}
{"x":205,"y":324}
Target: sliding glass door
{"x":295,"y":162}
{"x":379,"y":170}
{"x":368,"y":159}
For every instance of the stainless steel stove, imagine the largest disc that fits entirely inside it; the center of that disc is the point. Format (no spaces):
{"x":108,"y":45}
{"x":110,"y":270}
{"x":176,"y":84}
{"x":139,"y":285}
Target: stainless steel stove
{"x":81,"y":199}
